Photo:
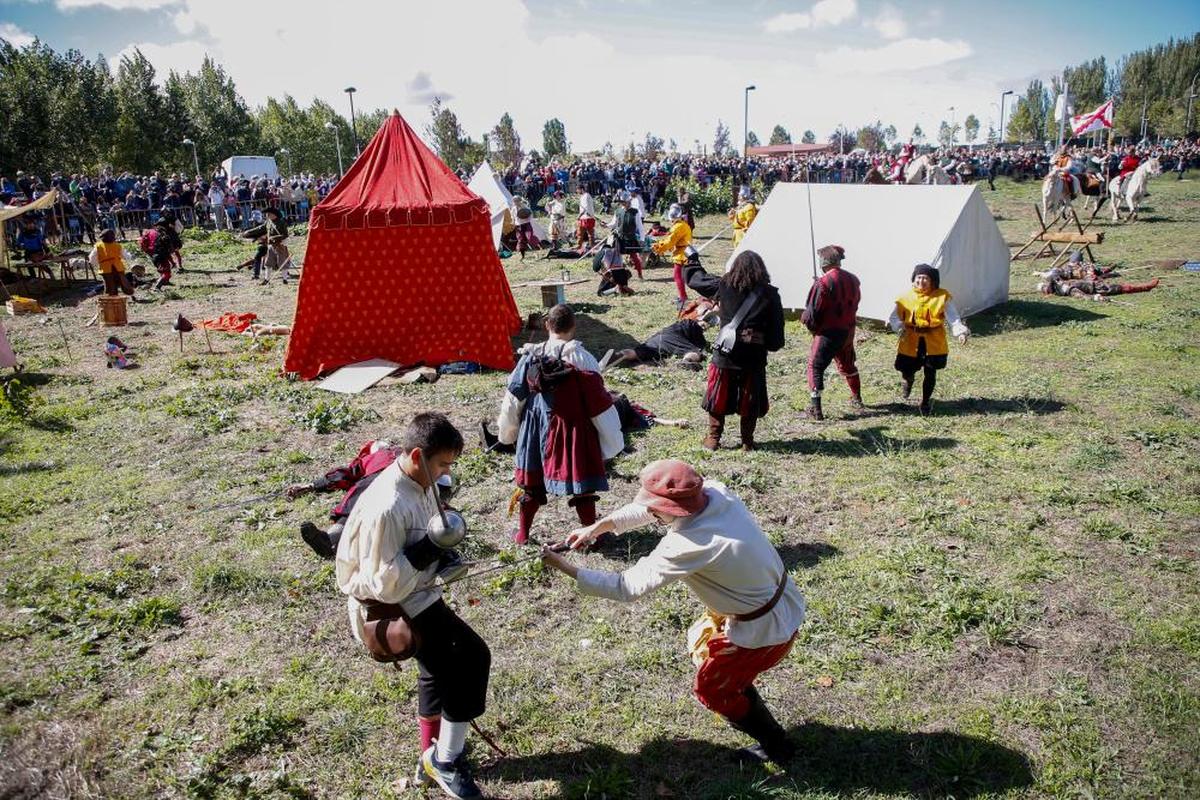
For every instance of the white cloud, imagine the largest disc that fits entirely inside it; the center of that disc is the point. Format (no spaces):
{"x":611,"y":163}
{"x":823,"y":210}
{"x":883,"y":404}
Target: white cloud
{"x":900,"y":56}
{"x":824,"y":13}
{"x":181,"y":56}
{"x":788,"y":23}
{"x":15,"y":36}
{"x":269,"y":54}
{"x":119,"y":5}
{"x":185,"y":23}
{"x":833,"y":12}
{"x":888,"y":23}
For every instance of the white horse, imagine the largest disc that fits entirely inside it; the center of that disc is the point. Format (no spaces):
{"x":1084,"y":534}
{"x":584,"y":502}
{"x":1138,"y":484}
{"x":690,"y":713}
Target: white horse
{"x":1133,"y":189}
{"x":924,"y":170}
{"x":1054,"y":197}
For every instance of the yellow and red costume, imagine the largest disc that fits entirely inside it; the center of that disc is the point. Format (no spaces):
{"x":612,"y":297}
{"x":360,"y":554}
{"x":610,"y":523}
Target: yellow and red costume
{"x":743,"y":216}
{"x":676,"y":242}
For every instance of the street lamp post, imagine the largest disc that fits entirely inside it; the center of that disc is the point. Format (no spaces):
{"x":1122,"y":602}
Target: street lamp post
{"x":1003,"y":95}
{"x":350,"y":90}
{"x":338,"y":141}
{"x":288,"y":153}
{"x":746,"y":121}
{"x":195,"y":158}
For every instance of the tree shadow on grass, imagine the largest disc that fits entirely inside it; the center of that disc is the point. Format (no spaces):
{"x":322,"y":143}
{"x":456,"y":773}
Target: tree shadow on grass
{"x":868,"y":441}
{"x":1024,"y":314}
{"x":831,"y":760}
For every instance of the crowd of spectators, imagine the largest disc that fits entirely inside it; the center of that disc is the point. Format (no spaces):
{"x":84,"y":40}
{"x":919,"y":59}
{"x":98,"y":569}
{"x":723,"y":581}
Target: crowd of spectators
{"x":653,"y":178}
{"x":130,"y":203}
{"x":127,"y":203}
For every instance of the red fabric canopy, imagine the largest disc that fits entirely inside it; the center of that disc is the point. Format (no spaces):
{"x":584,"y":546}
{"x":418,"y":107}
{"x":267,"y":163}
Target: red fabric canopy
{"x":400,"y":265}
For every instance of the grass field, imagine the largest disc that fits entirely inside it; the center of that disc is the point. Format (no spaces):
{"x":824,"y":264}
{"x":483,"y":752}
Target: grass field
{"x":1003,"y":597}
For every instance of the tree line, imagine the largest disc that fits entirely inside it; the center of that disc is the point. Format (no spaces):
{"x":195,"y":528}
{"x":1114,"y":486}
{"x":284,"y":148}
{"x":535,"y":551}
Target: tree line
{"x":62,"y":111}
{"x":1152,"y":89}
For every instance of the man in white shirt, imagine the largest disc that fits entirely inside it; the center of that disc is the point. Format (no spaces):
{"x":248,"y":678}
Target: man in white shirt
{"x":216,"y":204}
{"x":714,"y":545}
{"x":585,"y":229}
{"x":387,"y":566}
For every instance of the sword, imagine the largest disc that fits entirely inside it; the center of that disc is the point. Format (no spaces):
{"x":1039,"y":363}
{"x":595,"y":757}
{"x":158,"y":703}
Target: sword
{"x":239,"y":503}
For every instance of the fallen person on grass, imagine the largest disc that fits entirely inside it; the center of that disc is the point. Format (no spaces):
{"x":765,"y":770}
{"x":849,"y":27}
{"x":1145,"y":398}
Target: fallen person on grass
{"x":353,"y":479}
{"x":1093,"y":289}
{"x":717,"y":549}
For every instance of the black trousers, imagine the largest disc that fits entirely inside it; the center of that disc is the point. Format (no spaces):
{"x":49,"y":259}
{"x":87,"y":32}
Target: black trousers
{"x":454,"y":663}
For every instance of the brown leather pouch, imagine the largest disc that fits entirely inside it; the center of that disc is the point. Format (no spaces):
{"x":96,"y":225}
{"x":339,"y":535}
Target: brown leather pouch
{"x":387,"y":634}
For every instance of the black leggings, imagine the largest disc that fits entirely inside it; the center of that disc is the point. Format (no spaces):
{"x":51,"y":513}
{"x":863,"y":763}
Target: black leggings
{"x":454,"y":663}
{"x":928,"y":382}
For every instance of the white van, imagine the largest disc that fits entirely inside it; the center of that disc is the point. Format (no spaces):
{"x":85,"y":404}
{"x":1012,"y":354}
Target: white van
{"x":246,"y":166}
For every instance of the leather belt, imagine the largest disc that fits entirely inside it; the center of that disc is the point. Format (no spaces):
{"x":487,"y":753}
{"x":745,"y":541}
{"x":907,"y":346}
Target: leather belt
{"x":763,"y":610}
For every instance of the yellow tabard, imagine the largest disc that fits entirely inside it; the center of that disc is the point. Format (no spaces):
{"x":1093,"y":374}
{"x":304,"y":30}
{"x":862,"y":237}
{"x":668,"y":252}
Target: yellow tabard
{"x":923,"y":315}
{"x":742,"y":218}
{"x":110,"y":257}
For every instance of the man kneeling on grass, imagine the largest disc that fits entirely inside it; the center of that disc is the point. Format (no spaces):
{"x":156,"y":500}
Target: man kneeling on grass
{"x":714,"y":545}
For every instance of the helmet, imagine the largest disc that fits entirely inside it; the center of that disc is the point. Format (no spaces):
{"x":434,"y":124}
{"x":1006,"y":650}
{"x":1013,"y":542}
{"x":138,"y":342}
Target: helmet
{"x":675,"y":212}
{"x":622,"y":196}
{"x":745,"y":193}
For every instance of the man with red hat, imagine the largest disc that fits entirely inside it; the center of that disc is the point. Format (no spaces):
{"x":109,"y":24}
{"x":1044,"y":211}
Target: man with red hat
{"x":714,"y":545}
{"x":830,"y":314}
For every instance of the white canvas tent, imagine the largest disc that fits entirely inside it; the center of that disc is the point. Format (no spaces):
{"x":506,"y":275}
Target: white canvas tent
{"x":487,"y":184}
{"x":886,"y":230}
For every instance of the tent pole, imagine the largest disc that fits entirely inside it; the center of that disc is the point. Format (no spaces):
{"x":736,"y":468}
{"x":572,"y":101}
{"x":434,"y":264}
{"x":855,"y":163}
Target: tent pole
{"x":812,"y":232}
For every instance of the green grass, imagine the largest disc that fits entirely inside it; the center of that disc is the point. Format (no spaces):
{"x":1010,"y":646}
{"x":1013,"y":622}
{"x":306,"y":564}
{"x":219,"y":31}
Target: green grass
{"x":1002,"y":597}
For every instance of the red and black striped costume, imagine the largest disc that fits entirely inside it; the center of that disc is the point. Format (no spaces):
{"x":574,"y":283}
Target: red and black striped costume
{"x":830,"y":313}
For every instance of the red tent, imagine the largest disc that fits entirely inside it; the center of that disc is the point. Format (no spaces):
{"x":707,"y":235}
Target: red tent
{"x":400,"y":265}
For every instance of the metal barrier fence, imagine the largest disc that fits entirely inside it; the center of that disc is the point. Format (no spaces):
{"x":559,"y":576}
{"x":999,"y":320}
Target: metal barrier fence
{"x":67,"y":225}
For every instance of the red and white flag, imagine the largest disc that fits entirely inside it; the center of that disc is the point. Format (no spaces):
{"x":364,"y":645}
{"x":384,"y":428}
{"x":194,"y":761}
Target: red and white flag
{"x":1102,"y":117}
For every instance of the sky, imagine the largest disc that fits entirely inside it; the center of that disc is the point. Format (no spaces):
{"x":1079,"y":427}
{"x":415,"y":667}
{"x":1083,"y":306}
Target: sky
{"x":613,"y":70}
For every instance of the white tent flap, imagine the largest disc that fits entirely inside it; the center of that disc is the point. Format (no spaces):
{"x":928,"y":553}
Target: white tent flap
{"x":487,"y":184}
{"x":886,"y":230}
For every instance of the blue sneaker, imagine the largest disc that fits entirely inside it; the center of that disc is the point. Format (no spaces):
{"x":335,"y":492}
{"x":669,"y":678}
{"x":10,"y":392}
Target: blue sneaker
{"x":454,"y":777}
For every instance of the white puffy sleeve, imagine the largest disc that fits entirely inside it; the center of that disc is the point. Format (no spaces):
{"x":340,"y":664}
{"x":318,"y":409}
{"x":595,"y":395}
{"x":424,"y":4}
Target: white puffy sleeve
{"x":957,"y":326}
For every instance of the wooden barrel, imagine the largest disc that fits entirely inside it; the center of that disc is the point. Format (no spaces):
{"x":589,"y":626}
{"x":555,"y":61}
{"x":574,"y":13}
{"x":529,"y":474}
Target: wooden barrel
{"x":112,"y":311}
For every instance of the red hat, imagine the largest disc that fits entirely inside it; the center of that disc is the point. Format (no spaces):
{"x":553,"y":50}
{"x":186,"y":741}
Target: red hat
{"x":673,"y":487}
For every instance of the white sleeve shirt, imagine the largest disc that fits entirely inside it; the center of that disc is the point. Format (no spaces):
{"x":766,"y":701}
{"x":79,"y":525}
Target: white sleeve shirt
{"x":723,"y":556}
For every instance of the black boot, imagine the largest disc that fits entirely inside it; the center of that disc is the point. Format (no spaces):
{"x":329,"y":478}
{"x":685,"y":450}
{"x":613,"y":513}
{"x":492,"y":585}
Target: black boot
{"x":491,"y":442}
{"x":814,"y":409}
{"x":321,"y":542}
{"x":760,"y":725}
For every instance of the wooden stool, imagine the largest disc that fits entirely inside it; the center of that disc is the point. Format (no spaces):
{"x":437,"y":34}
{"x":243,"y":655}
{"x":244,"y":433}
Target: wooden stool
{"x":113,"y":311}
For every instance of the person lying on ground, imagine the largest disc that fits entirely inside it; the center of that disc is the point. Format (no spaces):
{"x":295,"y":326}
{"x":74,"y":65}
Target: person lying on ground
{"x":716,"y":548}
{"x":1094,"y":289}
{"x":353,"y":479}
{"x":1077,"y":268}
{"x":683,"y":338}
